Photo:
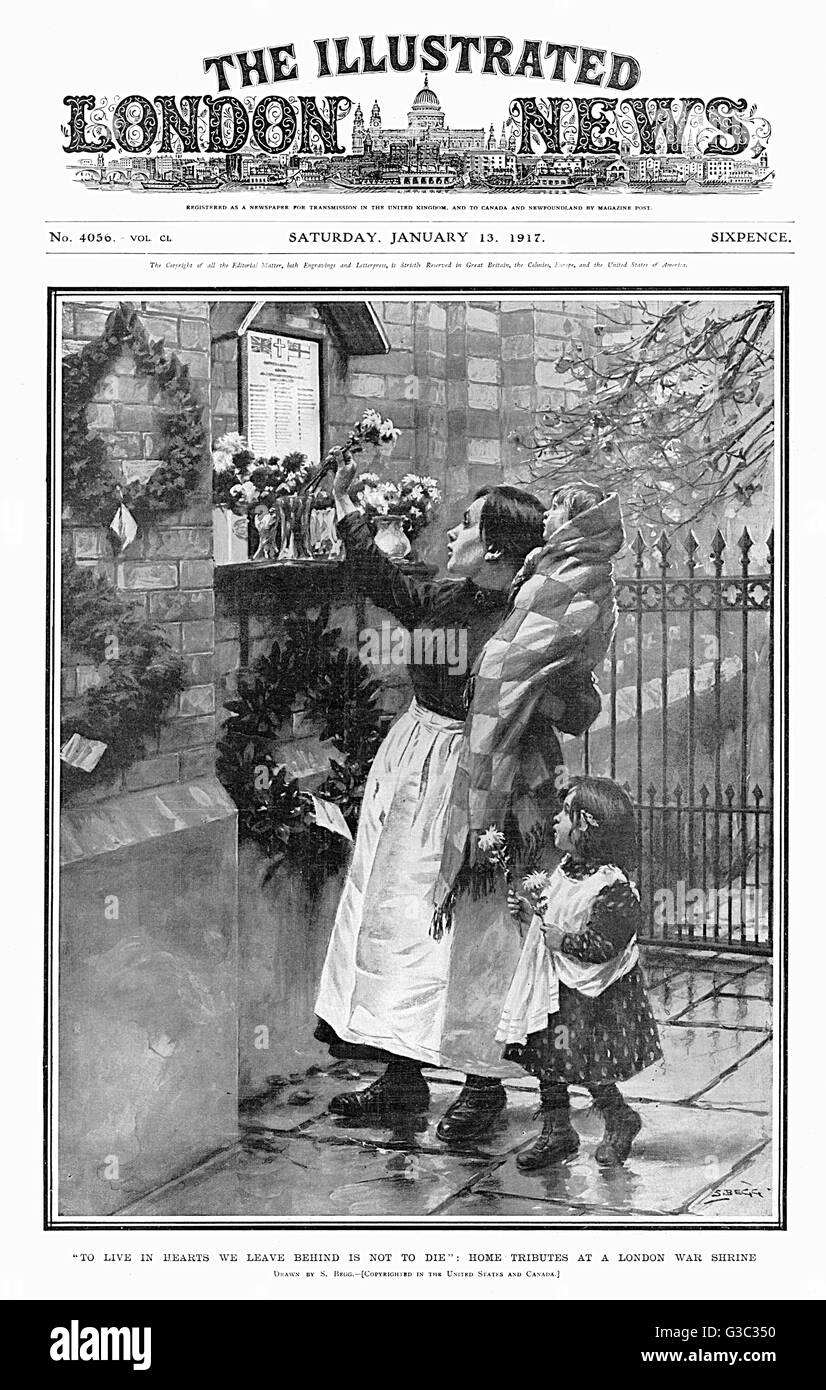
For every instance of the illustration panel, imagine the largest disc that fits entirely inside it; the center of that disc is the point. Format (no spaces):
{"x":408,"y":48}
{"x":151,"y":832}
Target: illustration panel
{"x":417,"y":758}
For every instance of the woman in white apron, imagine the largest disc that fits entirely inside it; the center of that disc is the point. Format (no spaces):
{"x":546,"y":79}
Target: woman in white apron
{"x":388,"y":987}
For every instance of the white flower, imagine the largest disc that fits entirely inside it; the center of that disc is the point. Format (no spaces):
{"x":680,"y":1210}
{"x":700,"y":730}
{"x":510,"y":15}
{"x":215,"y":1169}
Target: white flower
{"x":222,"y":461}
{"x":373,"y":497}
{"x":232,"y":443}
{"x":535,"y":882}
{"x":492,"y":841}
{"x":370,"y":478}
{"x":248,"y":491}
{"x":370,"y":420}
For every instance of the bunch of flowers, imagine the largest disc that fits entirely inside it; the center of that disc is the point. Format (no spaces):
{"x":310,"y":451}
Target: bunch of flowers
{"x":414,"y":499}
{"x":240,"y":481}
{"x":419,"y":498}
{"x":372,"y":429}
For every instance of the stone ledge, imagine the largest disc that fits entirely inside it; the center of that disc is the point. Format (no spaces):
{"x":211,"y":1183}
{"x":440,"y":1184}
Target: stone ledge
{"x":130,"y":818}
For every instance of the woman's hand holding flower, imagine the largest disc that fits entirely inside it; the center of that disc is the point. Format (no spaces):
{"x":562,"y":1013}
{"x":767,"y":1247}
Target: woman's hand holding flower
{"x":344,"y":475}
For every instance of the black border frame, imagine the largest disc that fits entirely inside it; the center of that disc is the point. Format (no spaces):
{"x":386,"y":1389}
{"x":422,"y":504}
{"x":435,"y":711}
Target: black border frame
{"x":780,"y":618}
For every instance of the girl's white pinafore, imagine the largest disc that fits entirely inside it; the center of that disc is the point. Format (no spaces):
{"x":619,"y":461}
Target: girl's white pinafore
{"x":534,"y":990}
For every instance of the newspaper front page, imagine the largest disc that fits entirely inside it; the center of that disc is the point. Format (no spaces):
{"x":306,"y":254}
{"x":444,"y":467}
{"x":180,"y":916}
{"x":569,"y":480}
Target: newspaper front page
{"x":415,"y":540}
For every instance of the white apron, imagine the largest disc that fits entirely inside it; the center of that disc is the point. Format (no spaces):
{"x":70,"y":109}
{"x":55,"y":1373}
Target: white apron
{"x":384,"y":982}
{"x":534,"y":991}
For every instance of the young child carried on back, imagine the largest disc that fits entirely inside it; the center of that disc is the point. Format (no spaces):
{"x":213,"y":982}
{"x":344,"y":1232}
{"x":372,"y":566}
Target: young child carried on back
{"x":577,"y":1011}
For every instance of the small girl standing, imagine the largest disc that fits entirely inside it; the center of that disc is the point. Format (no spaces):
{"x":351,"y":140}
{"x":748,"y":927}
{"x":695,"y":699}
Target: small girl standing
{"x":577,"y":1011}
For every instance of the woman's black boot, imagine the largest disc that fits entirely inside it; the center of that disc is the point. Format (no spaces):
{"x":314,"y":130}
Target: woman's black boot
{"x":474,"y":1112}
{"x":400,"y":1090}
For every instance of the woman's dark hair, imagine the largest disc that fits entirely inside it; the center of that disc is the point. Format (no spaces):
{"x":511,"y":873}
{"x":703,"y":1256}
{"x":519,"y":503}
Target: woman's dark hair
{"x":511,"y":521}
{"x":604,"y":824}
{"x":574,"y":498}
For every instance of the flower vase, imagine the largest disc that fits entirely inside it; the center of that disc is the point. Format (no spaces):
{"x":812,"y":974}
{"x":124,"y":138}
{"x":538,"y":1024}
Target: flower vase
{"x":324,"y":538}
{"x":267,"y":524}
{"x":294,"y":512}
{"x":391,"y":539}
{"x":228,"y":547}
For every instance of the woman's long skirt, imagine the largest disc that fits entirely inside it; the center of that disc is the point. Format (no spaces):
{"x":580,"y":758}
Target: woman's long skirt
{"x":386,"y":982}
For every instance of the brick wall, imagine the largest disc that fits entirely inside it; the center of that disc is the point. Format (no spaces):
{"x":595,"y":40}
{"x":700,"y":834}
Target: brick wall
{"x":167,"y":572}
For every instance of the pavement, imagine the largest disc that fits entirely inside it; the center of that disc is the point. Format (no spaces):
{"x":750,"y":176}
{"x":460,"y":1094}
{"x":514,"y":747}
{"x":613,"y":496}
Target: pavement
{"x":703,"y":1156}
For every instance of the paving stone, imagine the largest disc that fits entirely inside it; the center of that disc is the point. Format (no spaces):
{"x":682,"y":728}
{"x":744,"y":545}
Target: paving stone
{"x":728,"y":1011}
{"x":674,"y":1160}
{"x":296,"y":1177}
{"x":677,"y":993}
{"x":748,"y":1196}
{"x":486,"y":1205}
{"x":756,"y":984}
{"x":693,"y":1058}
{"x":287,"y":1109}
{"x":748,"y":1088}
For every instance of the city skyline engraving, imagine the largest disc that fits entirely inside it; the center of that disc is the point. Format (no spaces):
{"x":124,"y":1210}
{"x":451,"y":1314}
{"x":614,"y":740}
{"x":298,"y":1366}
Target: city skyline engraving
{"x":653,"y":146}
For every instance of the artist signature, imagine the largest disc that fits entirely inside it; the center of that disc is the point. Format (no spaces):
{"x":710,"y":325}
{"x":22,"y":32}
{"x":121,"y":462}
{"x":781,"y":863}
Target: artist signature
{"x":723,"y":1194}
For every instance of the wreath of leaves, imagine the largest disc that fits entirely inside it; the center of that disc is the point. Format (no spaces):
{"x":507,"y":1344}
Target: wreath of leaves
{"x":342,"y":697}
{"x":138,"y":672}
{"x":90,"y":489}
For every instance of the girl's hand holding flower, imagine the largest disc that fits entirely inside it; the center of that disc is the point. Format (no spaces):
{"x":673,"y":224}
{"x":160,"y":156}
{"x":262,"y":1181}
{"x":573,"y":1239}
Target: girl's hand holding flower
{"x":553,"y":935}
{"x":519,"y":908}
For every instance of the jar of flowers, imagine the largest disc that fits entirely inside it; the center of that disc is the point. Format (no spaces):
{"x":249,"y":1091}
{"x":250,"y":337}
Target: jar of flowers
{"x":267,"y":498}
{"x":399,"y":511}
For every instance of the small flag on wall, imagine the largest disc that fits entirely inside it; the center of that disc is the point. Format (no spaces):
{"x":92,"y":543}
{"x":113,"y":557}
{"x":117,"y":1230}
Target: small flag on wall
{"x":124,"y":526}
{"x":81,"y":752}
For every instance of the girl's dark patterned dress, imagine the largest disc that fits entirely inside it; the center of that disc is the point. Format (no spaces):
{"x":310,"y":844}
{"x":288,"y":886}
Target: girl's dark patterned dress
{"x":612,"y":1037}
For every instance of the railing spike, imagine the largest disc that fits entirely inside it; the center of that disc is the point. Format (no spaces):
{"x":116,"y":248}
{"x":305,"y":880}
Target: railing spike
{"x":638,"y":545}
{"x":718,"y":545}
{"x":745,"y":542}
{"x":758,"y":793}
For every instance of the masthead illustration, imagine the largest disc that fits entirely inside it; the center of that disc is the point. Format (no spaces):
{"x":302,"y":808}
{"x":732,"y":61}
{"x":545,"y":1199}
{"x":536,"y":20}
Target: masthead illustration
{"x":552,"y":145}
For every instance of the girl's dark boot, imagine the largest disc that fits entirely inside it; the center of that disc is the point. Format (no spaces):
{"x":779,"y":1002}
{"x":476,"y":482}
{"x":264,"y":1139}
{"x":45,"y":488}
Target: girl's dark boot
{"x":622,"y":1125}
{"x":558,"y":1139}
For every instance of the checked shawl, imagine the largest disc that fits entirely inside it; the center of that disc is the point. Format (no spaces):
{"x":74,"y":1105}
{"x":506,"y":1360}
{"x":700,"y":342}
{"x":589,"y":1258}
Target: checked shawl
{"x":556,"y":633}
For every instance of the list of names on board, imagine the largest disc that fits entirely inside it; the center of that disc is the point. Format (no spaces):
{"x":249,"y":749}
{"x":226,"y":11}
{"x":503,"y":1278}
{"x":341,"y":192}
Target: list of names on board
{"x":283,"y":395}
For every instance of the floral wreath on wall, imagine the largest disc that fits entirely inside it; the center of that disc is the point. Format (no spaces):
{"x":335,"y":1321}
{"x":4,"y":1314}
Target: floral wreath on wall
{"x":337,"y":691}
{"x":135,"y":674}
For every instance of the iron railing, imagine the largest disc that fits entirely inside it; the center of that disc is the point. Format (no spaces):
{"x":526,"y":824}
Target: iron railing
{"x":687,"y":728}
